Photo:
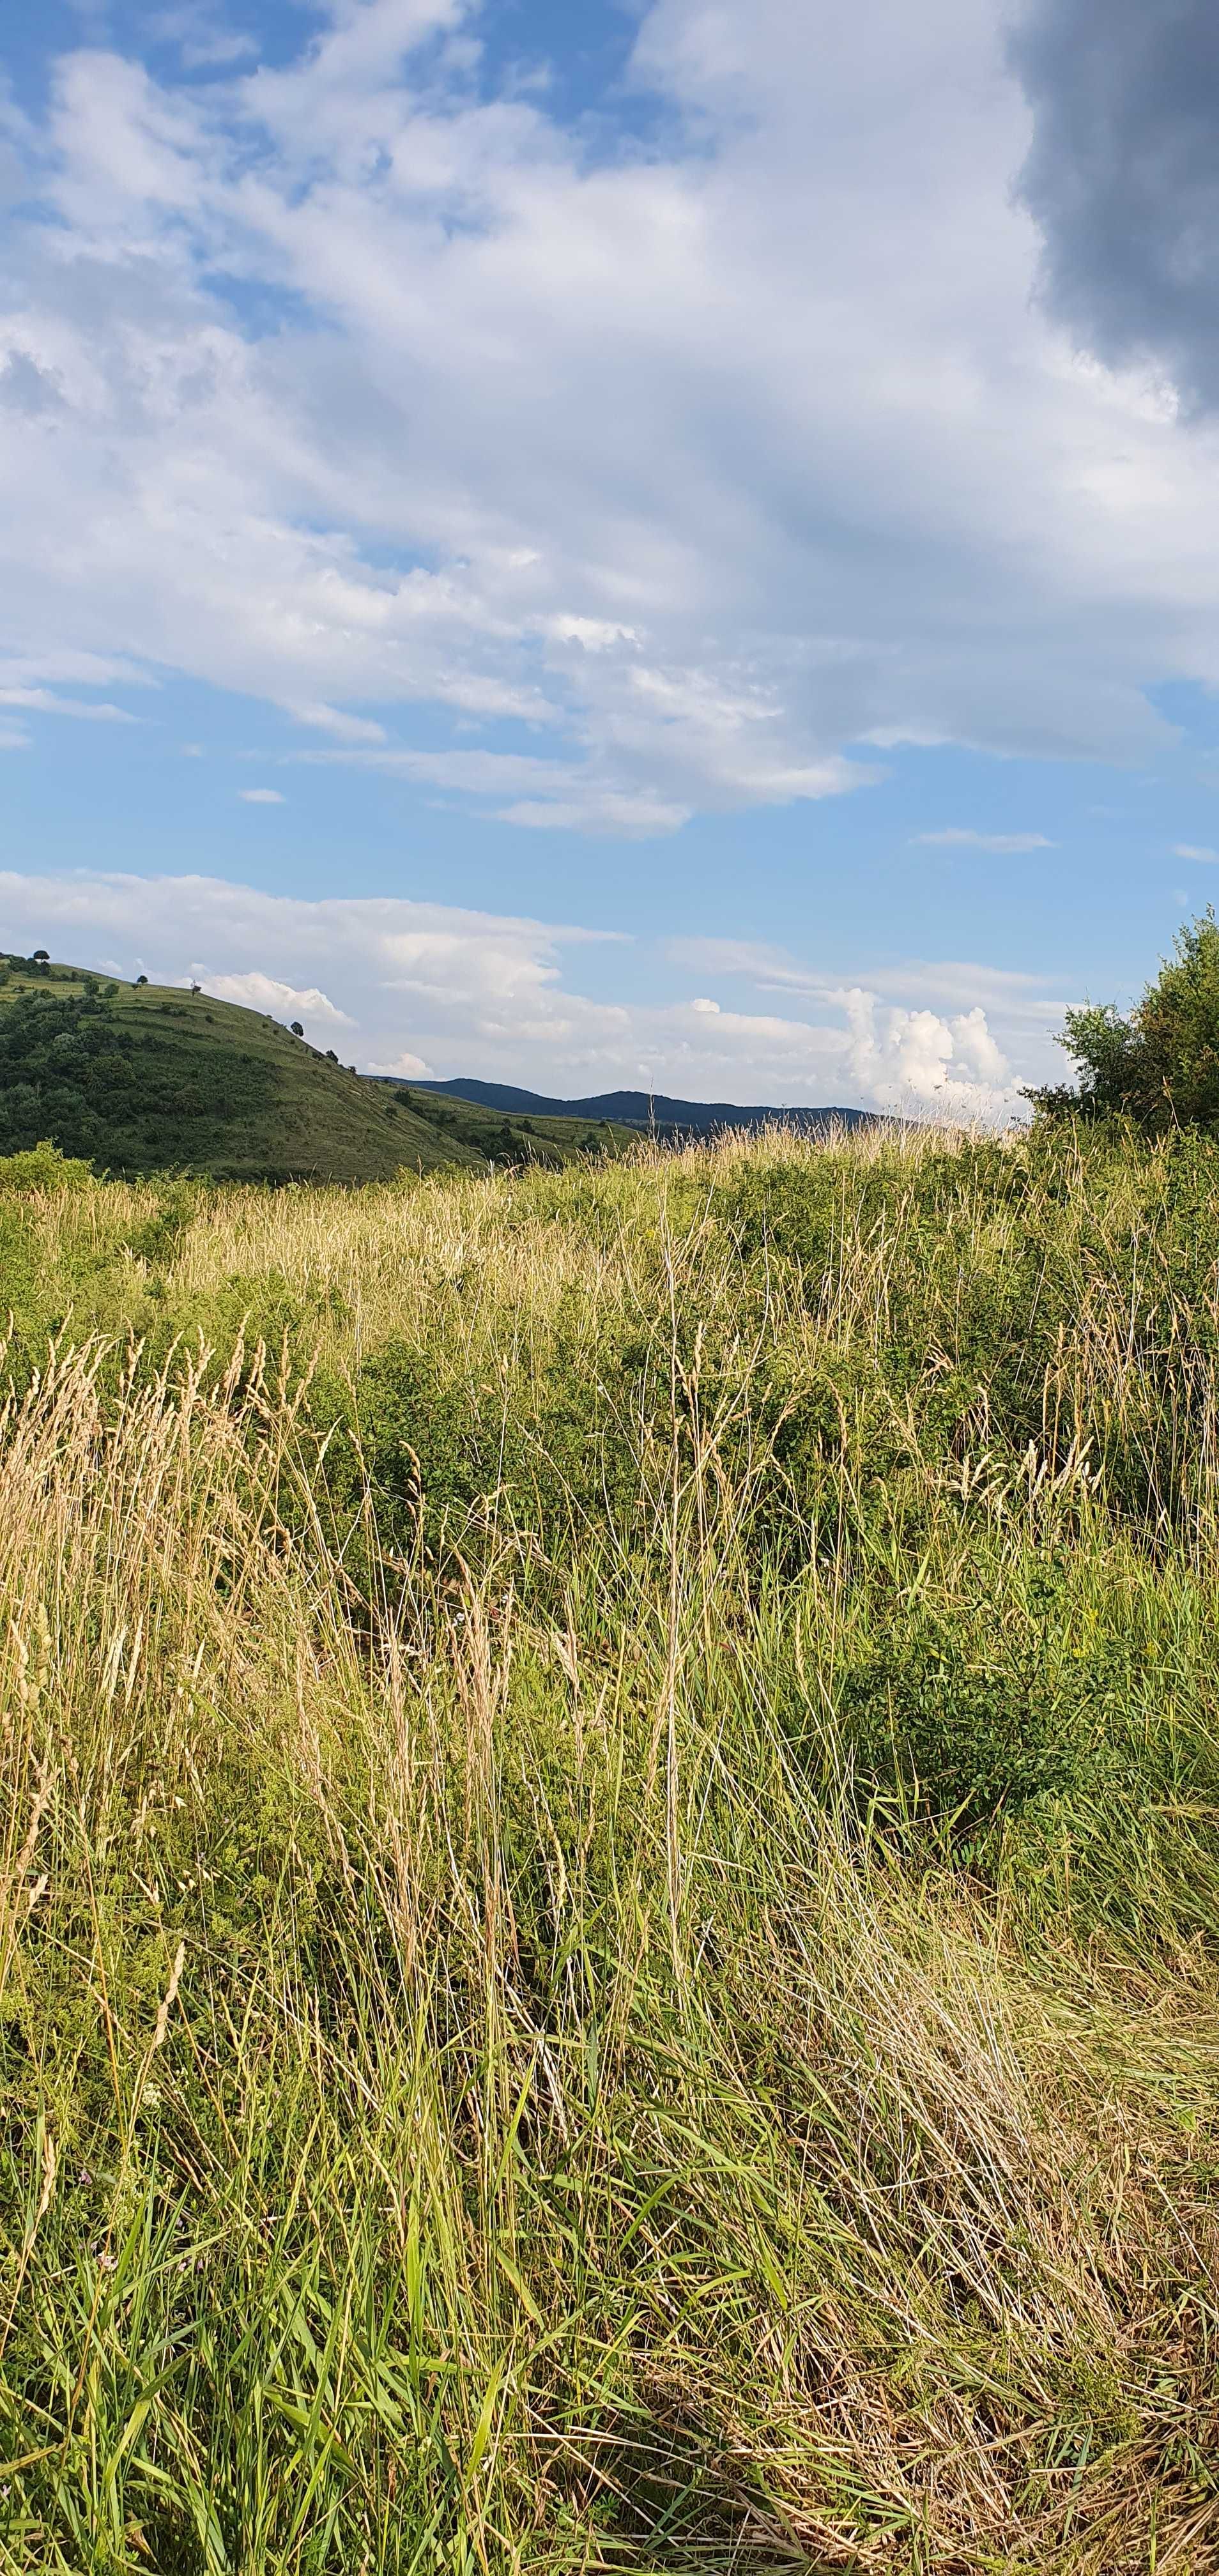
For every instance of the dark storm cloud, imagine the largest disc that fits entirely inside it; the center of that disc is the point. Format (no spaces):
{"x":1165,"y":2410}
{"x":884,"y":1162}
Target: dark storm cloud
{"x":1123,"y":177}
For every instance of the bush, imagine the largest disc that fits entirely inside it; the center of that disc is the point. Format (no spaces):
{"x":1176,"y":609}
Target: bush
{"x":1160,"y":1067}
{"x":963,"y":1721}
{"x":44,"y":1168}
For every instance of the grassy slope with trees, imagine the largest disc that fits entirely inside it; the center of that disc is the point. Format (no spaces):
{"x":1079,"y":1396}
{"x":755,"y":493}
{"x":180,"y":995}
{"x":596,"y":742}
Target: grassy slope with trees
{"x":140,"y":1078}
{"x":608,"y":1947}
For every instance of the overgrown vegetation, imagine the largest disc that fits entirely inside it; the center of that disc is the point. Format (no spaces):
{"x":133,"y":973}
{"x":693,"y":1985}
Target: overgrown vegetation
{"x":607,"y":1950}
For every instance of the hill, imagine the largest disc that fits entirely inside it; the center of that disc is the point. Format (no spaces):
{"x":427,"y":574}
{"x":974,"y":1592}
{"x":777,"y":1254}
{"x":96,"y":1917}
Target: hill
{"x":146,"y":1077}
{"x":501,"y":1132}
{"x":655,"y":1111}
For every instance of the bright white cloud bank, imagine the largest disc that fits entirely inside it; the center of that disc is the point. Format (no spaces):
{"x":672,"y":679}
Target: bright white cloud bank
{"x":354,"y":388}
{"x":412,"y":988}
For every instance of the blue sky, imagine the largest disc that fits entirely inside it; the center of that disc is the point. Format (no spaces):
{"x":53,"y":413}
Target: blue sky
{"x":578,"y":545}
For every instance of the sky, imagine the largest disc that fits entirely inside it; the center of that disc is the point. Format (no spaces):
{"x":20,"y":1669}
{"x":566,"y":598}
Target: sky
{"x":671,"y":545}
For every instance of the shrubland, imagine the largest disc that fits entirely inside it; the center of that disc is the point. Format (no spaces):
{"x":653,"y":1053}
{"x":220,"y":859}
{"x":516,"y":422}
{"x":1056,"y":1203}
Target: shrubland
{"x":608,"y":1920}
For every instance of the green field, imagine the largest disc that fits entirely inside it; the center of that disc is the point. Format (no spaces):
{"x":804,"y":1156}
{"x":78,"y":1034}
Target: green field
{"x":608,"y":1935}
{"x":140,"y":1078}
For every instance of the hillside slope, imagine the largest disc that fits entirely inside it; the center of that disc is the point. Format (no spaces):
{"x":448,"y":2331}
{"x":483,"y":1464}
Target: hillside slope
{"x":503,"y":1134}
{"x":142,"y":1078}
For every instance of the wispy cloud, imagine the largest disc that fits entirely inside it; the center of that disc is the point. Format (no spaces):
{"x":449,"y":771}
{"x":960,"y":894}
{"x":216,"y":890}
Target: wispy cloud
{"x":1001,"y":844}
{"x":1191,"y":850}
{"x":48,"y":702}
{"x":1023,"y":999}
{"x":261,"y":796}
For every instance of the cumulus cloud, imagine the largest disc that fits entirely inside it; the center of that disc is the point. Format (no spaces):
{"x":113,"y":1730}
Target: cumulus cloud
{"x":407,"y":1067}
{"x":261,"y":796}
{"x":1123,"y":178}
{"x":259,"y":992}
{"x":424,"y":985}
{"x":1000,"y":843}
{"x":355,"y":384}
{"x":922,"y":1061}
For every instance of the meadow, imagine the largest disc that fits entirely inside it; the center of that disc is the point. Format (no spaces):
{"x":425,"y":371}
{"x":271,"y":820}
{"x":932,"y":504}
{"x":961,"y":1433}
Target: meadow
{"x":611,"y":1875}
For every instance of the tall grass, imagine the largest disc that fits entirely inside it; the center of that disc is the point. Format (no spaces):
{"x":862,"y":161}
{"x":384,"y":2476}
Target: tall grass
{"x":611,"y":1853}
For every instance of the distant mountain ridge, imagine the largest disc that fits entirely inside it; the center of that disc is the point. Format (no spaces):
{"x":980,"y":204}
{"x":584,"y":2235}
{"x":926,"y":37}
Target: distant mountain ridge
{"x":647,"y":1109}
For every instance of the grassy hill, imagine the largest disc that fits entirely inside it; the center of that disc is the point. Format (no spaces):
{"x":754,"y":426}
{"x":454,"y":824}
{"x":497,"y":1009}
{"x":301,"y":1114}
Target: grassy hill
{"x":139,"y":1078}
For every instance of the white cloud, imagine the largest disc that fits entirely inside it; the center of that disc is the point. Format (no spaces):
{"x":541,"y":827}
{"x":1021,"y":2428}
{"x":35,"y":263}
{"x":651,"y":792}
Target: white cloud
{"x":707,"y":461}
{"x":407,"y":1067}
{"x":1024,"y":1001}
{"x":920,"y":1060}
{"x":261,"y":796}
{"x":259,"y":992}
{"x":1190,"y":850}
{"x":13,"y":739}
{"x":47,"y":702}
{"x":344,"y":727}
{"x":429,"y":985}
{"x":1001,"y":843}
{"x":204,"y":40}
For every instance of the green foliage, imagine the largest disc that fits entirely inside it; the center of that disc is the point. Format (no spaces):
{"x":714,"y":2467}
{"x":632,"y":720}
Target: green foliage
{"x":43,"y":1167}
{"x":968,"y":1718}
{"x":1160,"y":1066}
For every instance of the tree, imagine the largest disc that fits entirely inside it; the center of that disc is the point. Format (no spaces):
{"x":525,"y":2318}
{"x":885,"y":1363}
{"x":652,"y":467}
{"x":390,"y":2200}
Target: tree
{"x":141,"y":979}
{"x":1161,"y":1065}
{"x":40,"y":957}
{"x":296,"y":1029}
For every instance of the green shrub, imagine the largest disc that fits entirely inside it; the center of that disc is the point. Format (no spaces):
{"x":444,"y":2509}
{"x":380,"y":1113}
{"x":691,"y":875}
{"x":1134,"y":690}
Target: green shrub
{"x":966,"y":1718}
{"x":43,"y":1167}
